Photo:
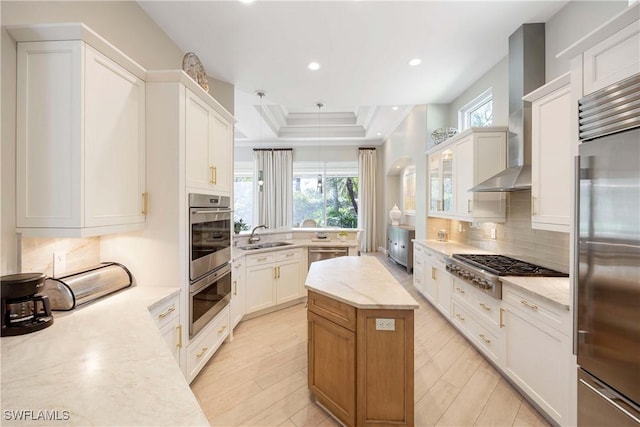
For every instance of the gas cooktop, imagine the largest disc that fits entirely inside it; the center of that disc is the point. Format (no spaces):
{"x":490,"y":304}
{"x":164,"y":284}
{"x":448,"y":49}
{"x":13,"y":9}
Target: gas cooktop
{"x":501,"y":265}
{"x":483,"y":271}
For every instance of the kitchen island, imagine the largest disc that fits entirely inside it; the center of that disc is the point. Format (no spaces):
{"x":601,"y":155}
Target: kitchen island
{"x":104,"y":363}
{"x":360,"y":342}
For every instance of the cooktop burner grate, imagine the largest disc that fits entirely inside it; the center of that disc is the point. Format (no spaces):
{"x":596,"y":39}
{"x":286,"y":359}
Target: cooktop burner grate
{"x":501,"y":265}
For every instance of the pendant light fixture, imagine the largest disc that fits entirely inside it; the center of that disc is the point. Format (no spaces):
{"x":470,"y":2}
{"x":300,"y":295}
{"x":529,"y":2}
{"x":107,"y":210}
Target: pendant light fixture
{"x":261,"y":94}
{"x":319,"y":187}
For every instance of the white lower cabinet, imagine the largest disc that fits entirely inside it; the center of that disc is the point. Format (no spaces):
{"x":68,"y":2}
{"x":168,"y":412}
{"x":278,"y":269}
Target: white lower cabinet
{"x":478,"y":317}
{"x":274,"y":278}
{"x":538,"y":351}
{"x":208,"y":340}
{"x":431,"y":278}
{"x":419,"y":268}
{"x":167,"y":316}
{"x":238,"y":305}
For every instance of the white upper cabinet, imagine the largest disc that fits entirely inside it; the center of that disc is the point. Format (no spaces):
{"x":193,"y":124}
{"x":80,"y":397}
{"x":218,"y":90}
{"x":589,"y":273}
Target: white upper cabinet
{"x":80,"y":135}
{"x":461,"y":163}
{"x":551,"y":155}
{"x":609,"y":53}
{"x":209,"y":139}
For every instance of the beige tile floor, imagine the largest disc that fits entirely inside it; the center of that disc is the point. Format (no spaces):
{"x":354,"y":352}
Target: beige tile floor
{"x":260,"y":378}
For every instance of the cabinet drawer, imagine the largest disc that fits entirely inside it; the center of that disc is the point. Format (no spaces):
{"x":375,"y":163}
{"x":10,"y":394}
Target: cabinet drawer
{"x":537,"y":309}
{"x":483,"y":306}
{"x":164,"y":312}
{"x":336,"y":311}
{"x":289,"y":254}
{"x":418,"y":250}
{"x":202,"y":348}
{"x":259,"y":259}
{"x":487,"y":339}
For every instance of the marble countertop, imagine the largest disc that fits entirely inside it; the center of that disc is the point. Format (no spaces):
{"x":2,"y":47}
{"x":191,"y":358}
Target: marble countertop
{"x":360,"y":281}
{"x":103,"y":364}
{"x":553,"y":289}
{"x":295,"y":243}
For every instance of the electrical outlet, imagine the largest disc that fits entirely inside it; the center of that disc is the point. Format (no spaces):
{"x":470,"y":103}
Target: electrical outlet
{"x":59,"y":263}
{"x":493,"y":233}
{"x":385,"y":324}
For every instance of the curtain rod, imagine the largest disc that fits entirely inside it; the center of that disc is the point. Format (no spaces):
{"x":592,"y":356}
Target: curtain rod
{"x":366,"y":148}
{"x":273,"y":149}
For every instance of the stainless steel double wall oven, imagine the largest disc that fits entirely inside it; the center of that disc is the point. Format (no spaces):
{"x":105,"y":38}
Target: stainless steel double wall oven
{"x":210,"y":225}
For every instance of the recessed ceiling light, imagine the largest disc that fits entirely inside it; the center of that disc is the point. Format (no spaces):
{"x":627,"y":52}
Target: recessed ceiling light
{"x":247,"y":1}
{"x":379,"y":134}
{"x":313,"y":66}
{"x":415,"y":61}
{"x":394,"y":108}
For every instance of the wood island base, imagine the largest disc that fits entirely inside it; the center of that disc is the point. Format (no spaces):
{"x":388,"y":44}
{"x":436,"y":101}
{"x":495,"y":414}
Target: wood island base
{"x":361,"y":362}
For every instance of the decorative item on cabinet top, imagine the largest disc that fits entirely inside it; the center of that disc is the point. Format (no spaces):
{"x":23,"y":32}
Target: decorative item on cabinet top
{"x":442,"y":134}
{"x":193,"y":67}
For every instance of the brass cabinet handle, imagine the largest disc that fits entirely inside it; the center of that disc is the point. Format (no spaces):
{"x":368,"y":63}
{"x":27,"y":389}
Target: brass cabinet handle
{"x":275,"y":272}
{"x":278,"y":272}
{"x":485,"y":339}
{"x":290,"y":254}
{"x":468,"y":206}
{"x":202,"y":352}
{"x":179,"y":333}
{"x":215,"y":175}
{"x":222,"y":329}
{"x":235,"y":287}
{"x":460,"y":290}
{"x":262,"y":259}
{"x":486,"y":307}
{"x":238,"y":265}
{"x":501,"y":322}
{"x":528,"y":304}
{"x":460,"y":317}
{"x":167,"y":312}
{"x":212,"y":175}
{"x":433,"y":273}
{"x":145,"y":203}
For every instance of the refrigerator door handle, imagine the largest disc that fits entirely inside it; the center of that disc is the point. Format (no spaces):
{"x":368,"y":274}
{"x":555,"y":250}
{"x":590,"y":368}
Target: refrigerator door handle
{"x":576,"y":254}
{"x":612,"y":398}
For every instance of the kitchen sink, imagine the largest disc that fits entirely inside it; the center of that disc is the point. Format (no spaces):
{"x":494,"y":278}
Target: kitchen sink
{"x":263,"y":245}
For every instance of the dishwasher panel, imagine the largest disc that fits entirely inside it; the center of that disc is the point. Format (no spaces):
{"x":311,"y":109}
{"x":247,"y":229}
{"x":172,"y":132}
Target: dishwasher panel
{"x":326,"y":252}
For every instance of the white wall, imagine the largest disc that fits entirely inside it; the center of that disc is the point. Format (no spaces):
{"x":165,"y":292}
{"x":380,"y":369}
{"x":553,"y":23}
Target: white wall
{"x":126,"y":26}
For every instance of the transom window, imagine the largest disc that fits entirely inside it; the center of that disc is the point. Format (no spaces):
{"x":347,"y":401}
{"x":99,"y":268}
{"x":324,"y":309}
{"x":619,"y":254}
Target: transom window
{"x":477,"y":113}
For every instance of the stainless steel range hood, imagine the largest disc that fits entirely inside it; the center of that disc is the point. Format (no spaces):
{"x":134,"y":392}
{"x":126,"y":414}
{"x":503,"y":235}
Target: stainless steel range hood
{"x":526,"y":73}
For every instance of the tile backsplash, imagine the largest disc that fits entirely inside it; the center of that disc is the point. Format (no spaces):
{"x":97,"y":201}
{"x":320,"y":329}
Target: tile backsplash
{"x":37,"y":253}
{"x":514,"y":238}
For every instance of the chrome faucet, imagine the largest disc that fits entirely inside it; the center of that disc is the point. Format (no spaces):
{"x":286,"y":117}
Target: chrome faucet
{"x":253,"y":237}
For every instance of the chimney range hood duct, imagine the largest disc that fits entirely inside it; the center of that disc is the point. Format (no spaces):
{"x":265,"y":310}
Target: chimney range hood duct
{"x":526,"y":73}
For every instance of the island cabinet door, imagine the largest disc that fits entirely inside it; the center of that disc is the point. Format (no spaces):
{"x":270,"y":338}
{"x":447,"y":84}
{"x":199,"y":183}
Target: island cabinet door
{"x":385,"y":368}
{"x":332,"y":367}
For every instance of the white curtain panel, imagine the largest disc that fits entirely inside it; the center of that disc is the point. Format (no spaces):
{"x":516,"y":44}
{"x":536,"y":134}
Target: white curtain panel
{"x":274,"y":204}
{"x":367,"y":195}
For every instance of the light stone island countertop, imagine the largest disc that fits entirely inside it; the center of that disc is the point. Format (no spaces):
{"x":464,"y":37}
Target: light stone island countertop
{"x":295,"y":243}
{"x":104,"y":364}
{"x":360,"y":281}
{"x":553,"y":289}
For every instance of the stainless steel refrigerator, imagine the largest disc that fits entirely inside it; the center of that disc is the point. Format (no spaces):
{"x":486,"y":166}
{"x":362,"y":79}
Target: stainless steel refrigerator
{"x":607,"y":327}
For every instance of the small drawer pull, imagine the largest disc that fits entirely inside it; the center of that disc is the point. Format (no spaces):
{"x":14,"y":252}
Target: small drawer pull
{"x":460,"y":290}
{"x":459,"y":317}
{"x":262,"y":259}
{"x":167,"y":312}
{"x":222,"y":329}
{"x":528,"y":304}
{"x":202,"y":352}
{"x":486,"y":307}
{"x":488,"y":341}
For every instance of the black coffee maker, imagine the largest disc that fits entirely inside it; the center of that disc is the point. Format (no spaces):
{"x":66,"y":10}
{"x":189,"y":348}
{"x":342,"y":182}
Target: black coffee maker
{"x":23,"y":309}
